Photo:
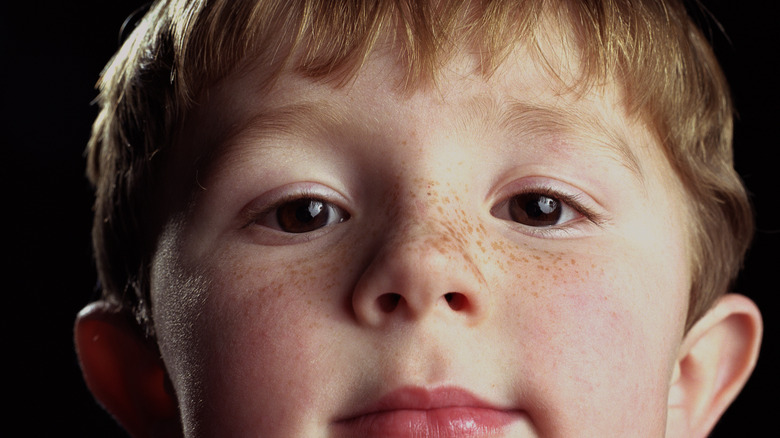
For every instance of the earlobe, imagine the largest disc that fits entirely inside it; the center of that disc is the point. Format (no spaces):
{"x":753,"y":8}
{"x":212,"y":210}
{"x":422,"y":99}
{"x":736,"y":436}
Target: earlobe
{"x":124,"y":371}
{"x":716,"y":358}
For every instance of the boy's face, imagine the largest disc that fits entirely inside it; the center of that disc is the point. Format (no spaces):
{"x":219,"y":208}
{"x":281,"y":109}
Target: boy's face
{"x":497,"y":256}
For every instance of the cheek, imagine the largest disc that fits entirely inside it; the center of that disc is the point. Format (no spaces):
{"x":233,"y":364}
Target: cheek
{"x":598,"y":336}
{"x":250,"y":341}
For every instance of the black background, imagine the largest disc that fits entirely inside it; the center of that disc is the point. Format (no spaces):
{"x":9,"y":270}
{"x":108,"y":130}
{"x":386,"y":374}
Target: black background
{"x":51,"y":53}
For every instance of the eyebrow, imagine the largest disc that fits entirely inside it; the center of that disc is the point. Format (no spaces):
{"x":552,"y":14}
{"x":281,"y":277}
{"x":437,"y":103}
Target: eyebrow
{"x":572,"y":125}
{"x":306,"y":118}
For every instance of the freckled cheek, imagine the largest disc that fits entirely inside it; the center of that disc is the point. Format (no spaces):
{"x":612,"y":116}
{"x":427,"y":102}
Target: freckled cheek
{"x":266,"y":337}
{"x":582,"y":324}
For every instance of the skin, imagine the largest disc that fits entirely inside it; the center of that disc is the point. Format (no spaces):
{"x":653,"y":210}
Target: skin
{"x":427,"y":281}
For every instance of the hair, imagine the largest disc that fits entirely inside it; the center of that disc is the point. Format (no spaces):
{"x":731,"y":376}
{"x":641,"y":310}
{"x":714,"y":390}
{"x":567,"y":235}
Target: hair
{"x":662,"y":61}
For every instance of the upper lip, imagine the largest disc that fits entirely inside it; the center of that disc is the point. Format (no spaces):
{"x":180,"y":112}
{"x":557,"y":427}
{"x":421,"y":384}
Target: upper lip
{"x":418,"y":398}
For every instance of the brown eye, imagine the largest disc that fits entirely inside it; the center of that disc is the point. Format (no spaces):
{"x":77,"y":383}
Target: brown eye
{"x":548,"y":212}
{"x":308,"y":214}
{"x":535,"y":210}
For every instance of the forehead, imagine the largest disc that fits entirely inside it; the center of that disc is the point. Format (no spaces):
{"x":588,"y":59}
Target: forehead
{"x":528,"y":95}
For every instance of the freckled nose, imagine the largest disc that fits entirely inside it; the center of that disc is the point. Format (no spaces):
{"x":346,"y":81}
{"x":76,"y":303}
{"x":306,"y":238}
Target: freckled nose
{"x":414,"y":277}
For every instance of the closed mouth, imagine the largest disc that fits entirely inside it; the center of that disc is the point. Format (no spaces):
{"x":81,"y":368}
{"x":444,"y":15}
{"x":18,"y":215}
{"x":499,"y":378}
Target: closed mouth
{"x":443,"y":413}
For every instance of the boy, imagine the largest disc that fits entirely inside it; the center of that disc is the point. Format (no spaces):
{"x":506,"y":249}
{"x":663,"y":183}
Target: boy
{"x":417,"y":219}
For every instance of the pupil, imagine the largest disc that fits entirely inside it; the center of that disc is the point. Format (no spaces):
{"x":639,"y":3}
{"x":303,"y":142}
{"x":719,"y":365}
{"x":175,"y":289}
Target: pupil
{"x":308,"y":213}
{"x":302,"y":215}
{"x":535,"y":210}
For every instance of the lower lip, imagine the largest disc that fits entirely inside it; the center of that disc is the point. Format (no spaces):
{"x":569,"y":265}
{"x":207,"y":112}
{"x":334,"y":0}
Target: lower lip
{"x":448,"y":422}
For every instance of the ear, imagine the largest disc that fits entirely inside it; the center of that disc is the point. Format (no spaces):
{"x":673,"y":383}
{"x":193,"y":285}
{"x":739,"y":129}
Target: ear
{"x":716,"y":358}
{"x":124,"y":371}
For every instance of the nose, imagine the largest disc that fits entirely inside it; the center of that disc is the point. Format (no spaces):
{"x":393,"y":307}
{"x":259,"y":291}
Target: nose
{"x":421,"y":273}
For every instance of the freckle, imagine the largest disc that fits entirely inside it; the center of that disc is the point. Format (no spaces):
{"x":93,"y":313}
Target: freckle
{"x":573,"y":262}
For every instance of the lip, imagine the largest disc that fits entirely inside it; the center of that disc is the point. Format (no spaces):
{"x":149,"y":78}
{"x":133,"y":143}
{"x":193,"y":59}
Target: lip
{"x":443,"y":413}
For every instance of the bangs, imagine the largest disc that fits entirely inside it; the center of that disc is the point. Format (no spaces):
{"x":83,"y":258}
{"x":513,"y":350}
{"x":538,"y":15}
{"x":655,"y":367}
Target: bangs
{"x":625,"y":39}
{"x":329,"y":40}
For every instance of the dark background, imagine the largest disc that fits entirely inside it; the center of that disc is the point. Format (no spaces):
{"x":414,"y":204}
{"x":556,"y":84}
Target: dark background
{"x":51,"y":53}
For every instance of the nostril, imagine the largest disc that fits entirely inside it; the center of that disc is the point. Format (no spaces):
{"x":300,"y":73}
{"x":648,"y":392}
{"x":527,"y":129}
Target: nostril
{"x":455,"y":300}
{"x":388,"y":302}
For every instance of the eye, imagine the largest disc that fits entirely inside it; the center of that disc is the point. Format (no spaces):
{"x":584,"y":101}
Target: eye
{"x":539,"y":209}
{"x":302,"y":215}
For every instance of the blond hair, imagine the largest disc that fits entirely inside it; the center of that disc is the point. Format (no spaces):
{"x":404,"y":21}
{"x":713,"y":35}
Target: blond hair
{"x":652,"y":48}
